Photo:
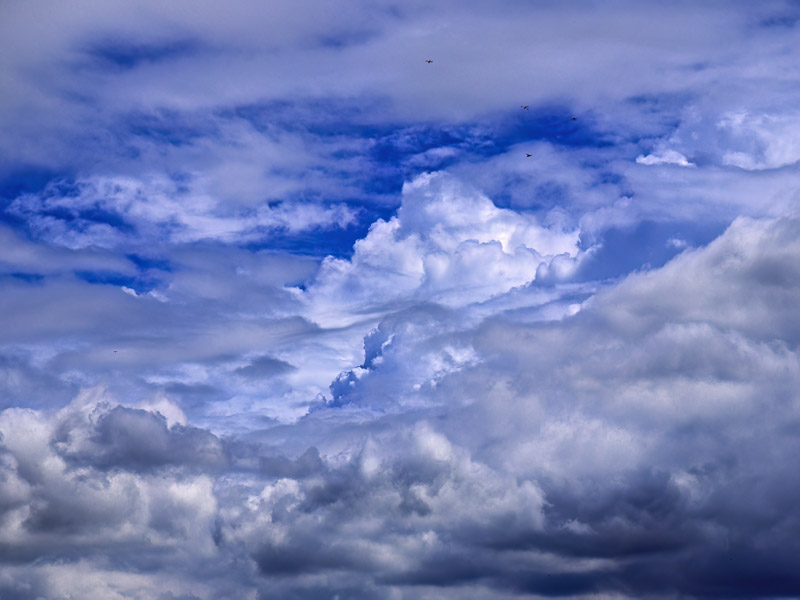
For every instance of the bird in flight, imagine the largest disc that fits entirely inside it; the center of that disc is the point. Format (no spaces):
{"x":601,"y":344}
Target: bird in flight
{"x":574,"y":118}
{"x":429,"y":61}
{"x":524,"y":106}
{"x":528,"y":155}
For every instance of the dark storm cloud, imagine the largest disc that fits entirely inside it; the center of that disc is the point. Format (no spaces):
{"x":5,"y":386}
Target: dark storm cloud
{"x":132,"y":439}
{"x":663,"y":446}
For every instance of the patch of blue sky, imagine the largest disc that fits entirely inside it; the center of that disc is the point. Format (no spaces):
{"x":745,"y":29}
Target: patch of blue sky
{"x":398,"y":152}
{"x":49,"y":184}
{"x":478,"y":139}
{"x":540,"y":197}
{"x":319,"y":243}
{"x":787,"y":19}
{"x":362,"y":118}
{"x":351,"y":128}
{"x":26,"y":180}
{"x":398,"y":143}
{"x":556,"y":125}
{"x":23,"y":276}
{"x":141,"y":284}
{"x":647,"y":245}
{"x":168,"y":127}
{"x":386,"y":146}
{"x":125,"y":54}
{"x":151,"y":263}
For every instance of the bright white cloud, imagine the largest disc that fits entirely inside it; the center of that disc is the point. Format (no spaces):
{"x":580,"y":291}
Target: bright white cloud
{"x":108,"y":212}
{"x":668,"y":157}
{"x":447,"y":244}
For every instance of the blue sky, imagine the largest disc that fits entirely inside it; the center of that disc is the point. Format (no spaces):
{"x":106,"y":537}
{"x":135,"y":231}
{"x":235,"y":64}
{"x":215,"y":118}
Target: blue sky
{"x":287,"y":311}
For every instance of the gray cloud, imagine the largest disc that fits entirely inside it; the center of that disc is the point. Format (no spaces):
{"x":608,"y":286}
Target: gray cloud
{"x":134,"y":439}
{"x":643,"y":445}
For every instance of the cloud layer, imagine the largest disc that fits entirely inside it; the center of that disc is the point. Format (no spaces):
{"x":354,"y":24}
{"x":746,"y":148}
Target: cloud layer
{"x":618,"y":451}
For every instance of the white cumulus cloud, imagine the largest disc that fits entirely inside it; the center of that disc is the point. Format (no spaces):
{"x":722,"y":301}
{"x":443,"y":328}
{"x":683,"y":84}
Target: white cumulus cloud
{"x":448,"y":244}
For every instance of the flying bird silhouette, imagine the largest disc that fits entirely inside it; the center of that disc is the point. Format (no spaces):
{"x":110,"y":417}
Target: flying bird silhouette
{"x":528,"y":155}
{"x":524,"y":106}
{"x":429,"y":61}
{"x":574,"y":118}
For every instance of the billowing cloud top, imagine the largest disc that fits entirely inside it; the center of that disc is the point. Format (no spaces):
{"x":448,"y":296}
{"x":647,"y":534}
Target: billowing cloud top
{"x":447,"y":244}
{"x":399,"y":300}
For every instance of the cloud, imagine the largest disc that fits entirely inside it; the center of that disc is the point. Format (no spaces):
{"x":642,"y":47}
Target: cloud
{"x":756,"y":138}
{"x":264,"y":367}
{"x":591,"y":454}
{"x":64,"y":506}
{"x":108,"y":212}
{"x":447,"y":244}
{"x":668,"y":157}
{"x":23,"y":257}
{"x":638,"y":417}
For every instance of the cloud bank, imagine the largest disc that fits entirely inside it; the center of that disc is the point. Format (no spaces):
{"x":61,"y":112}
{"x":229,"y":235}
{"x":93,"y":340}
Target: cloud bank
{"x":622,"y":450}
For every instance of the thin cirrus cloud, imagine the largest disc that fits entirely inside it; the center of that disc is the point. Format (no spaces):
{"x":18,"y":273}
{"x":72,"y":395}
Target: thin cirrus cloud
{"x":105,"y":212}
{"x":287,"y":311}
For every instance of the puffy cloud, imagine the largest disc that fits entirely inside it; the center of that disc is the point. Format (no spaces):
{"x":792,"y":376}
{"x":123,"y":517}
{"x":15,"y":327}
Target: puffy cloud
{"x":668,"y":157}
{"x":617,"y":451}
{"x":639,"y":418}
{"x":441,"y":503}
{"x":755,"y":296}
{"x":139,"y":440}
{"x":754,"y":137}
{"x":67,"y":507}
{"x":447,"y":244}
{"x":72,"y":493}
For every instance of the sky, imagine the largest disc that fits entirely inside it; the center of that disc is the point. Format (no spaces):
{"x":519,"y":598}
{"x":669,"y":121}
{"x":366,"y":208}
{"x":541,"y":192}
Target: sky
{"x":399,"y":300}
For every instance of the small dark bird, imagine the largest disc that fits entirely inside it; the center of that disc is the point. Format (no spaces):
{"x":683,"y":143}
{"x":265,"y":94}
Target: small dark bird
{"x":524,"y":107}
{"x":115,"y":351}
{"x":574,"y":118}
{"x":429,"y":61}
{"x":528,"y":155}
